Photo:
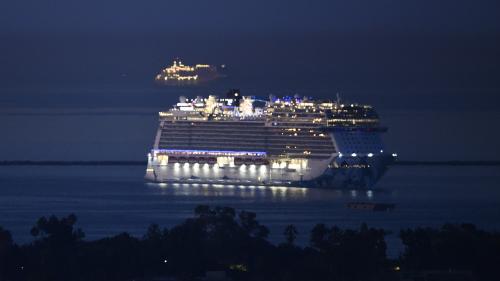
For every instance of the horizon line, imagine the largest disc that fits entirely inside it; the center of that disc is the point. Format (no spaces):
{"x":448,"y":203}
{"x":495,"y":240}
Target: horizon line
{"x":144,"y":162}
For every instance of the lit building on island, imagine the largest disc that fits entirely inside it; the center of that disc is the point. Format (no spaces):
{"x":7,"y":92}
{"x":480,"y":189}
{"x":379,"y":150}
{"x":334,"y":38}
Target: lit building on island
{"x":178,"y":73}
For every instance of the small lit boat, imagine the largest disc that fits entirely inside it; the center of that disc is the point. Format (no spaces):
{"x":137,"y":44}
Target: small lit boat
{"x":371,"y":206}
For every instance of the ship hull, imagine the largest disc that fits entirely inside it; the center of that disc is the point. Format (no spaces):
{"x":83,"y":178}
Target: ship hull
{"x":352,"y":177}
{"x":331,"y":177}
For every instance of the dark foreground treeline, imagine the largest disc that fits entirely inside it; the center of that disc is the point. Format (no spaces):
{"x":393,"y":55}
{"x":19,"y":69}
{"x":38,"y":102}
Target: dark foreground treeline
{"x":220,"y":239}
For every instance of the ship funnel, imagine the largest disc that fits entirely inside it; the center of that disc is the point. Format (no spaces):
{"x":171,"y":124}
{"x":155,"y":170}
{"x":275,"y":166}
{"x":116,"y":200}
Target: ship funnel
{"x":272,"y":98}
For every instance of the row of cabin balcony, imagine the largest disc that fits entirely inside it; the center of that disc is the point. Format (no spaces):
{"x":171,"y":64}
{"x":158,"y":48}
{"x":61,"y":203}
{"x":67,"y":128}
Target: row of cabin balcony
{"x":273,"y":123}
{"x":246,"y":144}
{"x":298,"y":155}
{"x":208,"y":118}
{"x":260,"y":130}
{"x":251,"y":134}
{"x":206,"y":132}
{"x":247,"y":121}
{"x":201,"y":120}
{"x":222,"y":140}
{"x":249,"y":128}
{"x":247,"y":138}
{"x":315,"y":149}
{"x":317,"y":145}
{"x":263,"y":130}
{"x":218,"y":129}
{"x":267,"y":149}
{"x":299,"y":152}
{"x":235,"y":136}
{"x":277,"y":125}
{"x":353,"y":121}
{"x":245,"y":124}
{"x":250,"y":147}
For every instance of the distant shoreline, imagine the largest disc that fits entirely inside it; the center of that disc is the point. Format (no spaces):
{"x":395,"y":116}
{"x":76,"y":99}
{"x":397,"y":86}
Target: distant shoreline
{"x":447,"y":163}
{"x":73,"y":163}
{"x":144,"y":163}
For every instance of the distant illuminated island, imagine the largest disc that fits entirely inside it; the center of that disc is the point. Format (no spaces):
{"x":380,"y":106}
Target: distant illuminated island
{"x":179,"y":74}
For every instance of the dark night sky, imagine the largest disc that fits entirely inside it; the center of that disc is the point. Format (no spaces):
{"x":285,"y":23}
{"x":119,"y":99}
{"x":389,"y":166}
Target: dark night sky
{"x":76,"y":76}
{"x":292,"y":15}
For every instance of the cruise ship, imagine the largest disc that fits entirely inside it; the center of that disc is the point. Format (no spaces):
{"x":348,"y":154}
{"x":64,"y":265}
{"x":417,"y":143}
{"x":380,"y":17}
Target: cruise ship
{"x":288,"y":141}
{"x":179,"y":73}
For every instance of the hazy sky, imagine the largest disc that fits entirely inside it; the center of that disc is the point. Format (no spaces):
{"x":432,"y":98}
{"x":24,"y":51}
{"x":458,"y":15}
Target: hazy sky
{"x":432,"y":68}
{"x":293,"y":15}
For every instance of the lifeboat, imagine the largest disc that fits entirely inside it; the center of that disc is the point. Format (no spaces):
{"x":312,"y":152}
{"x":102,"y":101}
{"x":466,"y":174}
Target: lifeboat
{"x":261,"y":162}
{"x":238,"y":161}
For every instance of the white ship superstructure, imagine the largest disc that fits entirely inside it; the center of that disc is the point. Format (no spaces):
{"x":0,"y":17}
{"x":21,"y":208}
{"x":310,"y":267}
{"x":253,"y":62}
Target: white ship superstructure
{"x":280,"y":141}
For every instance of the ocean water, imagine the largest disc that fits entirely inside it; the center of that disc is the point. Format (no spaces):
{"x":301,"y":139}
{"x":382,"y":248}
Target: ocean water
{"x":82,"y":96}
{"x":112,"y":199}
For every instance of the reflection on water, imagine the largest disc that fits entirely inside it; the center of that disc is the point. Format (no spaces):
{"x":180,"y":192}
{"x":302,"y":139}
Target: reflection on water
{"x":283,"y":193}
{"x":243,"y":191}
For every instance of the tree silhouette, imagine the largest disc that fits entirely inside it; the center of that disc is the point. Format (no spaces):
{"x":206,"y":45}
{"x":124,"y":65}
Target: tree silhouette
{"x":56,"y":247}
{"x":290,"y":234}
{"x":251,"y":226}
{"x":219,"y":238}
{"x":451,"y":248}
{"x":319,"y":235}
{"x":6,"y":246}
{"x":5,"y":240}
{"x":53,"y":229}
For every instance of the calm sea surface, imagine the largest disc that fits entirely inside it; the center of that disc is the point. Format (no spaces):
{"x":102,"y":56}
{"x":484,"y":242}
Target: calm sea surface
{"x":113,"y":199}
